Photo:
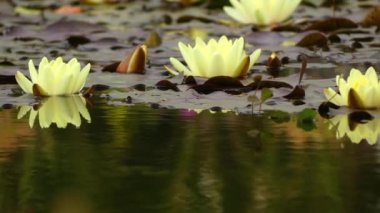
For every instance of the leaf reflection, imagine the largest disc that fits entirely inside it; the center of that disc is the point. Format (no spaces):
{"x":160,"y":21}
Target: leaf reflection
{"x":57,"y":109}
{"x":355,"y":131}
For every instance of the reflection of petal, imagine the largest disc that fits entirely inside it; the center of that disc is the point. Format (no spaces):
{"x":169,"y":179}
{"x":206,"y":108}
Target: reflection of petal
{"x":23,"y":110}
{"x":362,"y":131}
{"x":59,"y":110}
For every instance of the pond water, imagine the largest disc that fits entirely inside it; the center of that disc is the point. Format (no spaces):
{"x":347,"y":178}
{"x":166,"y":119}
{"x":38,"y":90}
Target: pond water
{"x":140,"y":159}
{"x":136,"y":147}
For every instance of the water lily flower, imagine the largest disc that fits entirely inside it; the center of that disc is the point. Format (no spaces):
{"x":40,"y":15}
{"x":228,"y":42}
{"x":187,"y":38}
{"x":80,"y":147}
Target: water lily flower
{"x":54,"y":77}
{"x":261,"y":12}
{"x":360,"y":91}
{"x":356,"y":132}
{"x":61,"y":110}
{"x":215,"y":58}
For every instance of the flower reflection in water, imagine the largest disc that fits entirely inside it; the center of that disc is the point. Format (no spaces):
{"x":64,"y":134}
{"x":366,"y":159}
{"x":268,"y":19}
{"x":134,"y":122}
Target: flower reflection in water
{"x":355,"y":131}
{"x":59,"y":110}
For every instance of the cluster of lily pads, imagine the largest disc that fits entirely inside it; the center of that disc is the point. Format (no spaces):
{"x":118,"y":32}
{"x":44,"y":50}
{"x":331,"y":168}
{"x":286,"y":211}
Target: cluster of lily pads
{"x":205,"y":59}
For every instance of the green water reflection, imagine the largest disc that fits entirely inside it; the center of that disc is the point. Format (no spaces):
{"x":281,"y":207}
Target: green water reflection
{"x":137,"y":159}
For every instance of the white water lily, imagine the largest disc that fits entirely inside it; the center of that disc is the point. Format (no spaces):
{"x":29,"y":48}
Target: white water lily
{"x":360,"y":91}
{"x":54,"y":77}
{"x":61,"y":110}
{"x":357,"y":132}
{"x":261,"y":12}
{"x":215,"y":58}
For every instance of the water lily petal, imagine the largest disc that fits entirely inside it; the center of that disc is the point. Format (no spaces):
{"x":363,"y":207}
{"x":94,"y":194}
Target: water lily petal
{"x":254,"y":56}
{"x":371,"y":76}
{"x":180,"y":67}
{"x":23,"y":82}
{"x":334,"y":97}
{"x":235,"y":14}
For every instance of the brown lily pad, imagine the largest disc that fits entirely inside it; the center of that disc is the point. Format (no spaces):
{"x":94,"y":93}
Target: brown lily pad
{"x":166,"y":85}
{"x":372,"y":18}
{"x":332,"y":24}
{"x":313,"y":39}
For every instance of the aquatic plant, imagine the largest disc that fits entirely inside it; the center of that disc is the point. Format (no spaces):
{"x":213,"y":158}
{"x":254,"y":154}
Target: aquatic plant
{"x":54,"y":77}
{"x":215,"y":58}
{"x":360,"y":91}
{"x":57,"y":109}
{"x":261,"y":12}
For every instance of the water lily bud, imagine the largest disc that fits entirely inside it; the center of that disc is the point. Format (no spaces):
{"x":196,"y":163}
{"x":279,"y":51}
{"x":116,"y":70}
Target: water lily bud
{"x":153,"y":40}
{"x":135,"y":61}
{"x":273,"y":64}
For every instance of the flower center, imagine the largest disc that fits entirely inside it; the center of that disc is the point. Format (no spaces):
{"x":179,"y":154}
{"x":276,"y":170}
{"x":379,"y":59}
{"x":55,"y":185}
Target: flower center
{"x":360,"y":82}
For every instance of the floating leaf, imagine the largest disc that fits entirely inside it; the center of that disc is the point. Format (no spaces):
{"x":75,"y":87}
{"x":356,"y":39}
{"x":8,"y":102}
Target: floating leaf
{"x":372,"y":18}
{"x":332,"y":24}
{"x":279,"y":116}
{"x":324,"y":109}
{"x":75,"y":40}
{"x":224,"y":81}
{"x":297,"y":93}
{"x":269,"y":84}
{"x":253,"y":99}
{"x":305,"y":119}
{"x":189,"y":18}
{"x":166,"y":85}
{"x":221,"y":83}
{"x":189,"y":80}
{"x":7,"y":79}
{"x":266,"y":93}
{"x":111,"y":67}
{"x":313,"y":39}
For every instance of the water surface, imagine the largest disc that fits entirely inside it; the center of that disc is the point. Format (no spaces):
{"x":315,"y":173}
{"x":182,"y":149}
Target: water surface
{"x":138,"y":159}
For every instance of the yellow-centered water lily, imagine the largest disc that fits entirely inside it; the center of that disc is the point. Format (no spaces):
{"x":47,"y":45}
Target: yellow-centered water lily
{"x":356,"y":132}
{"x":261,"y":12}
{"x":61,"y":110}
{"x":54,"y":78}
{"x":215,"y":58}
{"x":360,"y":91}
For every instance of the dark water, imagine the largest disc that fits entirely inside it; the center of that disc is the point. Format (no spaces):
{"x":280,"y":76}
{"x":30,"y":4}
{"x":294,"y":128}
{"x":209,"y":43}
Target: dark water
{"x":138,"y":159}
